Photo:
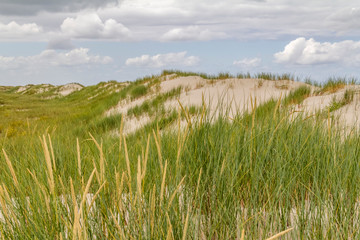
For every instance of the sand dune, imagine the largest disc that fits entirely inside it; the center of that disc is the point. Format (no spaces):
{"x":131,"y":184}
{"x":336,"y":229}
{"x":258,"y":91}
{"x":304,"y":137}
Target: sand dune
{"x":236,"y":96}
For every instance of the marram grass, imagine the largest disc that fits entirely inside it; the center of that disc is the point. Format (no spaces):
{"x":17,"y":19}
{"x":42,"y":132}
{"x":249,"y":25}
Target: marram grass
{"x":261,"y":175}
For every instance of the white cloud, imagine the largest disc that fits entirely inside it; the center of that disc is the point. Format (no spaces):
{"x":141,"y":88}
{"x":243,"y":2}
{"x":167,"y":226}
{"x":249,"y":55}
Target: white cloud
{"x":192,"y":33}
{"x":91,"y":26}
{"x":248,"y":62}
{"x":14,"y":30}
{"x":306,"y":52}
{"x":161,"y":60}
{"x":210,"y":19}
{"x":179,"y":20}
{"x":52,"y":58}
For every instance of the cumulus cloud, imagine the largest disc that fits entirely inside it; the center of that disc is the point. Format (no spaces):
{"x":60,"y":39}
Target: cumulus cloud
{"x":91,"y":26}
{"x":75,"y":57}
{"x":248,"y":62}
{"x":31,"y":7}
{"x":15,"y":30}
{"x":161,"y":60}
{"x":192,"y":33}
{"x":305,"y":52}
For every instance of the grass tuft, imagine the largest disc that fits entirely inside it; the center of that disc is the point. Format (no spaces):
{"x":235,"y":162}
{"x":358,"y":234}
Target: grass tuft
{"x":346,"y":99}
{"x":297,"y":96}
{"x":138,"y":91}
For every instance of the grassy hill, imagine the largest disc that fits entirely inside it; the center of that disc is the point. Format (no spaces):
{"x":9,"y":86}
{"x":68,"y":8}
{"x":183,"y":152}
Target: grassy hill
{"x":70,"y":169}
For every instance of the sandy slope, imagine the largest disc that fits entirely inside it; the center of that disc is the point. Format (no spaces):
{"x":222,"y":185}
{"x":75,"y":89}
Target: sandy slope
{"x":234,"y":94}
{"x":347,"y":116}
{"x":229,"y":94}
{"x":61,"y":91}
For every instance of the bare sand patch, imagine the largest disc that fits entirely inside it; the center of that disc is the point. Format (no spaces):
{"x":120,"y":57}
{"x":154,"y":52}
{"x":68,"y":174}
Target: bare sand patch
{"x":23,"y":89}
{"x":233,"y":95}
{"x":187,"y":83}
{"x":69,"y":88}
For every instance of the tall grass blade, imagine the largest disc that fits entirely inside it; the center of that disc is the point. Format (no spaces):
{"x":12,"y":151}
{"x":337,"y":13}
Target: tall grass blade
{"x":276,"y":236}
{"x":12,"y":171}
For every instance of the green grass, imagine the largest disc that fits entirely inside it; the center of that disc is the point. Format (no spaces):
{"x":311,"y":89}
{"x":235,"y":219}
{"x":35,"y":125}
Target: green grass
{"x":333,"y":84}
{"x":226,"y":75}
{"x":297,"y":96}
{"x":274,"y":77}
{"x":259,"y":173}
{"x":76,"y":113}
{"x":346,"y":99}
{"x":249,"y":174}
{"x":138,"y":91}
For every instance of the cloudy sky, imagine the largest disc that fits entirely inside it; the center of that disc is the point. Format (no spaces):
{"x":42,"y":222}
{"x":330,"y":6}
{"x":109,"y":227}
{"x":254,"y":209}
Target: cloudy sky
{"x":88,"y":41}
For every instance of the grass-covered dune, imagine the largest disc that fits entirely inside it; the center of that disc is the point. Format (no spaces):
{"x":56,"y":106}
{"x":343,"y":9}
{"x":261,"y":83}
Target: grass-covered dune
{"x":69,"y":170}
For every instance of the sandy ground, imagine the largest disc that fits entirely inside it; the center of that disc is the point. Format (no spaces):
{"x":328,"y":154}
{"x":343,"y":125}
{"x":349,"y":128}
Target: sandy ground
{"x":130,"y":124}
{"x":234,"y":95}
{"x":347,"y":116}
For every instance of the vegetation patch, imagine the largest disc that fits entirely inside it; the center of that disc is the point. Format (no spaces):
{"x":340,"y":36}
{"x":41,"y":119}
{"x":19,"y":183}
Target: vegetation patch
{"x":333,"y":84}
{"x":205,"y":181}
{"x":74,"y":114}
{"x":251,"y":177}
{"x":346,"y":99}
{"x":225,"y":75}
{"x":297,"y":96}
{"x":138,"y":91}
{"x":274,"y":77}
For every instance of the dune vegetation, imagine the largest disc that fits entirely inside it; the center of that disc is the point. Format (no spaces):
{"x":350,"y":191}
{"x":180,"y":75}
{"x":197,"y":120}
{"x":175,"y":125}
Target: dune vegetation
{"x":68,"y":170}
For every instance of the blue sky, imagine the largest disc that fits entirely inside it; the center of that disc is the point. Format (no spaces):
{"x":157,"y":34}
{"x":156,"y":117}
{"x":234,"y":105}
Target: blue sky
{"x":89,"y":41}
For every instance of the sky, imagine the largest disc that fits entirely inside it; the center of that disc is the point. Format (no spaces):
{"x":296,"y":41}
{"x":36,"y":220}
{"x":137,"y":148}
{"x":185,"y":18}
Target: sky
{"x":89,"y":41}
